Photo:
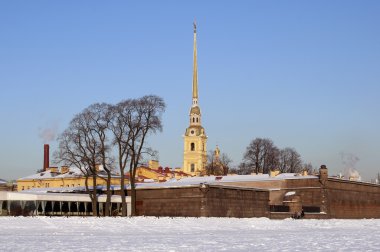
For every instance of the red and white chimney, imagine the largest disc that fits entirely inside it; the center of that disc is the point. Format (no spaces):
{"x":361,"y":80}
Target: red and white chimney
{"x":46,"y":157}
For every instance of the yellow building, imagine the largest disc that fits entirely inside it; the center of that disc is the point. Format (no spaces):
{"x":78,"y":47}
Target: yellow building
{"x":6,"y":186}
{"x":156,"y":173}
{"x":195,"y":139}
{"x":72,"y":178}
{"x":66,"y":177}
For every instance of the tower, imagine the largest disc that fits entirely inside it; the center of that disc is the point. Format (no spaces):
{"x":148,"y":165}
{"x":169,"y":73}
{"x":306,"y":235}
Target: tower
{"x":195,"y":139}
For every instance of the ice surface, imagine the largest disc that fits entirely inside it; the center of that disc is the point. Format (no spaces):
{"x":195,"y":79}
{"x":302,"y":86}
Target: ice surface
{"x":186,"y":234}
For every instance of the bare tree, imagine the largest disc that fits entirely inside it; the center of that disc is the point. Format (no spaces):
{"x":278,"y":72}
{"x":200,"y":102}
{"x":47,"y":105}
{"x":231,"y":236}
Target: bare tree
{"x":261,"y":156}
{"x":225,"y":161}
{"x":290,"y":161}
{"x":133,"y":120}
{"x":218,"y":163}
{"x":253,"y":156}
{"x":271,"y":153}
{"x":121,"y":123}
{"x":102,"y":129}
{"x":147,"y":120}
{"x":308,"y":167}
{"x":210,"y":167}
{"x":85,"y":145}
{"x":234,"y":170}
{"x":244,"y":169}
{"x":98,"y":116}
{"x":77,"y":148}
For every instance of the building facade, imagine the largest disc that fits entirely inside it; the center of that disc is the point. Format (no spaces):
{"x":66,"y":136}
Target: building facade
{"x":195,"y":139}
{"x":66,"y":177}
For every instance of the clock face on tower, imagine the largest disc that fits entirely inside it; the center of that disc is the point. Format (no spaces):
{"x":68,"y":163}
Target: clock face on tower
{"x":192,"y":132}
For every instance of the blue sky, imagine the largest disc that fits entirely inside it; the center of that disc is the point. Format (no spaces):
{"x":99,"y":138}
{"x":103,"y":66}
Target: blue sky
{"x":303,"y":73}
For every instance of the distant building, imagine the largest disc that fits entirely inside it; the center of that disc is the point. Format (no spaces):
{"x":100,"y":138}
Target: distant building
{"x":7,"y":186}
{"x":156,"y":173}
{"x":72,"y":178}
{"x":66,"y":177}
{"x":3,"y":185}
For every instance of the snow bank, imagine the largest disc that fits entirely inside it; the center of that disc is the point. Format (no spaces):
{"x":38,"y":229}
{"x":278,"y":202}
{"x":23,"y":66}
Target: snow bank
{"x":186,"y":234}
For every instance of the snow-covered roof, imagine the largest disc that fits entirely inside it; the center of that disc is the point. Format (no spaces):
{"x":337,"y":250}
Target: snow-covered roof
{"x":184,"y":182}
{"x":2,"y":181}
{"x":33,"y":196}
{"x":56,"y":189}
{"x":220,"y":180}
{"x":73,"y":172}
{"x":68,"y":189}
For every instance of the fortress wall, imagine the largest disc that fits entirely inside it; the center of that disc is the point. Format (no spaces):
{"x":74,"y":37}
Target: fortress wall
{"x":265,"y":184}
{"x":308,"y":189}
{"x":334,"y":198}
{"x":210,"y":202}
{"x":169,"y":202}
{"x":227,"y":202}
{"x":347,"y":199}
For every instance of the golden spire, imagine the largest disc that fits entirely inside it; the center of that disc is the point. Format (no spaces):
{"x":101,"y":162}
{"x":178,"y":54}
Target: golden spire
{"x":195,"y":67}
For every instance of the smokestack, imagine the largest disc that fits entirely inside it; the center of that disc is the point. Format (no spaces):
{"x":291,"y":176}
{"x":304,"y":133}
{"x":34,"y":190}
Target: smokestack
{"x":46,"y":157}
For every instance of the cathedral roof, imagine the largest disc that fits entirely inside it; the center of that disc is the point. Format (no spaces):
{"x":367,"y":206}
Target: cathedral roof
{"x":198,"y":130}
{"x":195,"y":110}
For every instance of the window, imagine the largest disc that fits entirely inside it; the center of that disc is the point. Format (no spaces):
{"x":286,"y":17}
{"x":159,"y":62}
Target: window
{"x":23,"y":188}
{"x":192,"y":146}
{"x":192,"y":167}
{"x":193,"y":119}
{"x":197,"y":119}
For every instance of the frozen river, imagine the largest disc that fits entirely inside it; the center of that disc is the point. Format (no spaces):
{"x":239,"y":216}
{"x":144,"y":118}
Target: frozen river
{"x":186,"y":234}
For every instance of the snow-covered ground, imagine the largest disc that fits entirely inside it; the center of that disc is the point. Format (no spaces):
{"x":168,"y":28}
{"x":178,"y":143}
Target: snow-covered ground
{"x":186,"y":234}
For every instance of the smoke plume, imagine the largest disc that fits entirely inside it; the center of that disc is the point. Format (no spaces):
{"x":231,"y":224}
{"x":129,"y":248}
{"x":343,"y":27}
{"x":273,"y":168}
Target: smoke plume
{"x":349,"y":162}
{"x":48,"y":134}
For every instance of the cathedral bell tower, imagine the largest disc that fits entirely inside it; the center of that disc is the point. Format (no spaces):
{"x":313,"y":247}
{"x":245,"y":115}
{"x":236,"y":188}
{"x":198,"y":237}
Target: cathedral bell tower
{"x":195,"y":139}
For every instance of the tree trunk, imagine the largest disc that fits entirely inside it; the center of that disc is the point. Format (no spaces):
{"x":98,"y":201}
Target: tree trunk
{"x":108,"y":200}
{"x":133,"y":194}
{"x":94,"y":197}
{"x":133,"y":200}
{"x":122,"y":193}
